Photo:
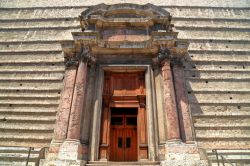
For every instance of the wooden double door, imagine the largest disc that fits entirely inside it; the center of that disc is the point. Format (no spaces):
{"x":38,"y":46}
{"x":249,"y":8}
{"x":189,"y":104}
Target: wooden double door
{"x":123,"y":135}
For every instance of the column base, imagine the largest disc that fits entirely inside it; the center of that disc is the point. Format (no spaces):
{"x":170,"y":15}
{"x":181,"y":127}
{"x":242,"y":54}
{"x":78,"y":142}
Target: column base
{"x":67,"y":153}
{"x":176,"y":153}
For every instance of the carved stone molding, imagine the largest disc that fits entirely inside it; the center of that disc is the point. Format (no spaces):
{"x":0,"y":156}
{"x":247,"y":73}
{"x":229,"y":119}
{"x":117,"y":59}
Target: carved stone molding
{"x":126,"y":29}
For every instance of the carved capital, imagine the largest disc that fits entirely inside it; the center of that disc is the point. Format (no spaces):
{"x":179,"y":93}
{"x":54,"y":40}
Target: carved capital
{"x":163,"y":54}
{"x":85,"y":56}
{"x":71,"y":62}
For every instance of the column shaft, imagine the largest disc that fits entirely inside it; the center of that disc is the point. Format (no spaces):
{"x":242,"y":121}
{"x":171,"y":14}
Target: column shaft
{"x":62,"y":118}
{"x":182,"y":104}
{"x":78,"y":102}
{"x":173,"y":132}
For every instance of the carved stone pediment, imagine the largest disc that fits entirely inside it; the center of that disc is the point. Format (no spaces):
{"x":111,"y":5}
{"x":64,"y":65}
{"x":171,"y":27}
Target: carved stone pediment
{"x":126,"y":29}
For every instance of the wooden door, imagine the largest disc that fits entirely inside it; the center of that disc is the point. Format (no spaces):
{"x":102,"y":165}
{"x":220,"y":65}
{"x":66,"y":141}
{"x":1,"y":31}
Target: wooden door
{"x":123,"y":138}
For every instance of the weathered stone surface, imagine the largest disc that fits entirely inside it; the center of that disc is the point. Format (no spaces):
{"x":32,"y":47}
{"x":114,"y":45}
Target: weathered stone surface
{"x":47,"y":3}
{"x":182,"y":104}
{"x":218,"y":57}
{"x":63,"y":113}
{"x":173,"y":129}
{"x":78,"y":102}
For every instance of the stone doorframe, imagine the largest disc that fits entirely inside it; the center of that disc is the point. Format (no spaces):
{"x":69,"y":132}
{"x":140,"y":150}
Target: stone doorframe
{"x":150,"y":109}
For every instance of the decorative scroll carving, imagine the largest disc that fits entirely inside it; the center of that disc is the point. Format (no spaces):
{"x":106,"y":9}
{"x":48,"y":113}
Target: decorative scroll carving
{"x":84,"y":55}
{"x":71,"y":62}
{"x":164,"y":53}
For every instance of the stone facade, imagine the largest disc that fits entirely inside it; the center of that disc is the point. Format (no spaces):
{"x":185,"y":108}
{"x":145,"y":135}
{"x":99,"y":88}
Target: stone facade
{"x":49,"y":81}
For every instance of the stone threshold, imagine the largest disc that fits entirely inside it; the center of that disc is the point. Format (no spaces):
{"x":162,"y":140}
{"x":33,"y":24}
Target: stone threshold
{"x":99,"y":163}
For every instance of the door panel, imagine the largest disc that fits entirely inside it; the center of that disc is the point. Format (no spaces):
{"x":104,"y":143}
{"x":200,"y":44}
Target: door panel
{"x":123,"y":140}
{"x":130,"y":144}
{"x":117,"y":142}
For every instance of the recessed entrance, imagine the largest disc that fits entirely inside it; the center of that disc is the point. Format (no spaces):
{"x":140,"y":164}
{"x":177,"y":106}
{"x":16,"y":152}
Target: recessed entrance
{"x":123,"y":134}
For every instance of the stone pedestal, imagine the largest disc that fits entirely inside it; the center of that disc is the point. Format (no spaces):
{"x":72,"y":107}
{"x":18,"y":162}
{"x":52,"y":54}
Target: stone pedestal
{"x":182,"y":154}
{"x":68,"y":153}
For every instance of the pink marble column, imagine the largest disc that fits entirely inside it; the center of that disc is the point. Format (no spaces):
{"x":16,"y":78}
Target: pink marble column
{"x":78,"y":102}
{"x":173,"y":132}
{"x":182,"y":104}
{"x":62,"y":118}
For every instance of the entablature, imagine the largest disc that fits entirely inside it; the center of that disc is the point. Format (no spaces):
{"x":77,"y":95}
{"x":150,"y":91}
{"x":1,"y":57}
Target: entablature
{"x":126,"y":29}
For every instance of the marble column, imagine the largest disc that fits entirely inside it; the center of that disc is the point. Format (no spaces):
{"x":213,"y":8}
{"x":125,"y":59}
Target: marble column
{"x":62,"y":117}
{"x":78,"y":102}
{"x":182,"y":103}
{"x":173,"y":132}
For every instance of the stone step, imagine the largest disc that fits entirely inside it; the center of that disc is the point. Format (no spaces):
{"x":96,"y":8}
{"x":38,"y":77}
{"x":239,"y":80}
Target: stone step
{"x":29,"y":110}
{"x":242,"y":98}
{"x":31,"y":58}
{"x":29,"y":46}
{"x":18,"y":156}
{"x":30,"y":85}
{"x":42,"y":118}
{"x":216,"y":65}
{"x":16,"y":163}
{"x":222,"y":143}
{"x":221,"y":57}
{"x":230,"y":152}
{"x":221,"y":121}
{"x":210,"y":23}
{"x":36,"y":35}
{"x":219,"y":110}
{"x":234,"y":156}
{"x":28,"y":101}
{"x":29,"y":95}
{"x":223,"y":133}
{"x":25,"y":142}
{"x":34,"y":137}
{"x":217,"y":85}
{"x":17,"y":149}
{"x":26,"y":127}
{"x":31,"y":68}
{"x":208,"y":12}
{"x":31,"y":76}
{"x":20,"y":24}
{"x":210,"y":34}
{"x":100,"y":163}
{"x":219,"y":45}
{"x":44,"y":14}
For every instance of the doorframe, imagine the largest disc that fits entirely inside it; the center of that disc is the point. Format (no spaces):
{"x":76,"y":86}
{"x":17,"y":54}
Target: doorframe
{"x":152,"y":128}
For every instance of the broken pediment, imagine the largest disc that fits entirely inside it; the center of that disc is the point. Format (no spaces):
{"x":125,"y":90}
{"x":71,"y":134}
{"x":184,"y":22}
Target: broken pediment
{"x":126,"y":29}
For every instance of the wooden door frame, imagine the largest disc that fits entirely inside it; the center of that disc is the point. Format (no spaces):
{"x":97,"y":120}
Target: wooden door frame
{"x":152,"y":128}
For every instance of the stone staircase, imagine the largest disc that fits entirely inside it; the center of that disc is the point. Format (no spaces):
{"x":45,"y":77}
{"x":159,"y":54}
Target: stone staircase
{"x":20,"y":156}
{"x":232,"y":157}
{"x":141,"y":163}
